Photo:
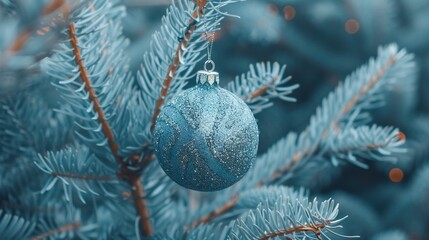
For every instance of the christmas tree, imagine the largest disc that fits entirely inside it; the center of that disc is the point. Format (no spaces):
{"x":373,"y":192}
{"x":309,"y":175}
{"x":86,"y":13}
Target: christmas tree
{"x":342,"y":152}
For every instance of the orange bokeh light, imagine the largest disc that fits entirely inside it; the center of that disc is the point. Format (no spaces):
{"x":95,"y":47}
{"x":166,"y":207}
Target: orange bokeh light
{"x":273,"y":9}
{"x":289,"y":13}
{"x":396,"y":175}
{"x":352,"y":26}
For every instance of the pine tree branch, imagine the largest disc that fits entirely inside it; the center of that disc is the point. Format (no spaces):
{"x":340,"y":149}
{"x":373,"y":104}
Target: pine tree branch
{"x":372,"y":146}
{"x":280,"y":212}
{"x":217,"y":212}
{"x":107,"y":131}
{"x":174,"y":66}
{"x":301,"y":155}
{"x":132,"y":178}
{"x":66,"y":228}
{"x":23,"y":37}
{"x":350,"y":104}
{"x":363,"y":143}
{"x":366,"y":88}
{"x":296,"y":158}
{"x":304,"y":228}
{"x":263,"y":82}
{"x":20,"y":41}
{"x":56,"y":4}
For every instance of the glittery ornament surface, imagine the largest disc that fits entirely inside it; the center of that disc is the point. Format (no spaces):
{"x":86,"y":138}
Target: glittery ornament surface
{"x":206,"y":138}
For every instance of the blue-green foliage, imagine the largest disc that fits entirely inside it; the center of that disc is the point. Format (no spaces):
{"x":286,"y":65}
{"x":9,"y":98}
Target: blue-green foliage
{"x":267,"y":76}
{"x":98,"y":34}
{"x":362,"y":217}
{"x":79,"y":169}
{"x":164,"y":43}
{"x":285,"y":215}
{"x":60,"y":178}
{"x":14,"y":227}
{"x":334,"y":134}
{"x":22,"y":130}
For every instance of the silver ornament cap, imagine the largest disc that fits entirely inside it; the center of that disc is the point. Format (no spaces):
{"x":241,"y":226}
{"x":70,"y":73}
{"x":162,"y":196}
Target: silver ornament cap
{"x":207,"y":77}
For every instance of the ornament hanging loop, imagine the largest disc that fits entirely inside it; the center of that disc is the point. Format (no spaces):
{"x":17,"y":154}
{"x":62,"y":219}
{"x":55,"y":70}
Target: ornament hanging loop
{"x":209,"y":63}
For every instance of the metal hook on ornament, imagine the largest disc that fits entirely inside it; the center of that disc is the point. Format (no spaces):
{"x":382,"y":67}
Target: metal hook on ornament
{"x":207,"y":63}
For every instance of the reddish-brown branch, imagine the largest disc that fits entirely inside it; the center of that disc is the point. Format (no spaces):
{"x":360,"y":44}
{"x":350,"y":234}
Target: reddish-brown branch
{"x":262,"y":90}
{"x":50,"y":8}
{"x":217,"y":212}
{"x":23,"y":37}
{"x":140,"y":204}
{"x":315,"y":229}
{"x":258,"y":92}
{"x":20,"y":41}
{"x":132,"y":178}
{"x":65,"y":228}
{"x":82,"y":177}
{"x":371,"y":147}
{"x":92,"y":96}
{"x":138,"y":196}
{"x":174,"y":66}
{"x":364,"y":90}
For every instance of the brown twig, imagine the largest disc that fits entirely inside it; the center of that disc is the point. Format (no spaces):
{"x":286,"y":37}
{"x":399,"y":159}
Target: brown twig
{"x":315,"y":229}
{"x":88,"y":88}
{"x":20,"y":41}
{"x":174,"y":66}
{"x":125,"y":174}
{"x":140,"y":204}
{"x":23,"y":37}
{"x":56,"y":4}
{"x":65,"y":228}
{"x":262,"y":90}
{"x":371,"y":147}
{"x":369,"y":86}
{"x":217,"y":212}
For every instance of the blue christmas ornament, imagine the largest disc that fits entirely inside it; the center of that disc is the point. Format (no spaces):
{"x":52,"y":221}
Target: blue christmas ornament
{"x":206,"y":138}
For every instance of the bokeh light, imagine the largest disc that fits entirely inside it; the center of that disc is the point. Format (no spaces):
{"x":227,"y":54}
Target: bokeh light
{"x":289,"y":13}
{"x":352,"y":26}
{"x":396,"y":175}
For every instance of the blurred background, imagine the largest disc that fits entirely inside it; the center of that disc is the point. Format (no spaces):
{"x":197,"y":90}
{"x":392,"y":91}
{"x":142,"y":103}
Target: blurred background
{"x":321,"y":42}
